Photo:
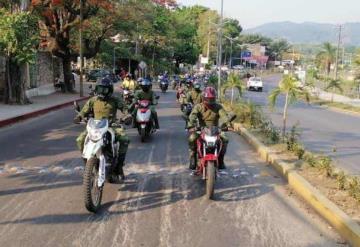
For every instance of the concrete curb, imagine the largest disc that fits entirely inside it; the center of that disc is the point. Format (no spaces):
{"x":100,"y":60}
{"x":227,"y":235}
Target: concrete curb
{"x":13,"y":120}
{"x":345,"y":225}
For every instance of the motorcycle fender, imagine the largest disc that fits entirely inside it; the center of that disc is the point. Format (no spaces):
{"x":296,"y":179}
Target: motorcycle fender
{"x":102,"y":169}
{"x":91,"y":149}
{"x":210,"y":157}
{"x":143,"y":117}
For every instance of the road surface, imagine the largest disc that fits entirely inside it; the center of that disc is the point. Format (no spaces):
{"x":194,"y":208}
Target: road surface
{"x":322,"y":130}
{"x":41,"y":199}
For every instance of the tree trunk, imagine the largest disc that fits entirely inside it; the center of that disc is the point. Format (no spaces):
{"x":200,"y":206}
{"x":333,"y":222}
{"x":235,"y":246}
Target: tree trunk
{"x":285,"y":115}
{"x":8,"y":99}
{"x":67,"y":74}
{"x":15,"y":91}
{"x":232,"y":95}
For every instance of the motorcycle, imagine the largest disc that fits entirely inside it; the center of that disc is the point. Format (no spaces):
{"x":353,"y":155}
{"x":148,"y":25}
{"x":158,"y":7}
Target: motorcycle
{"x":144,"y":122}
{"x":164,"y":85}
{"x":100,"y":154}
{"x":209,"y":147}
{"x":128,"y":96}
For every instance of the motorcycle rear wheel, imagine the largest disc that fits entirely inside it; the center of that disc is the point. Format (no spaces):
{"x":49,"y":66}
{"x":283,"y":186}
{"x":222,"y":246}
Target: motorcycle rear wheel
{"x":210,"y":180}
{"x":92,"y":193}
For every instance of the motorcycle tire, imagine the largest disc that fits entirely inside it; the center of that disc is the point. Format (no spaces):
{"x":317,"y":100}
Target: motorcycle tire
{"x":210,"y":179}
{"x":92,"y":194}
{"x":143,"y":135}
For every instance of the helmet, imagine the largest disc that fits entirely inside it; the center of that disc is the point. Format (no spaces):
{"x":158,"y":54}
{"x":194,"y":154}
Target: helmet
{"x":104,"y":88}
{"x":197,"y":85}
{"x":209,"y":96}
{"x":189,"y":82}
{"x":145,"y":84}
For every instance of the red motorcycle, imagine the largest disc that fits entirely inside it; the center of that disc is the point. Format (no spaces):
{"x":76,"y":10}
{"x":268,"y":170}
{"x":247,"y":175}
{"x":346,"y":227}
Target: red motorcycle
{"x":209,"y":146}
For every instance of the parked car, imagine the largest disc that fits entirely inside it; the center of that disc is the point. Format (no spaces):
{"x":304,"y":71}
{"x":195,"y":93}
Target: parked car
{"x":255,"y":83}
{"x":96,"y":74}
{"x":238,"y":67}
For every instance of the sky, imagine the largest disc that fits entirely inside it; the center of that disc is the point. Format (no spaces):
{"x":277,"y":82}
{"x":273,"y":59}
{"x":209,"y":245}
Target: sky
{"x":252,"y":13}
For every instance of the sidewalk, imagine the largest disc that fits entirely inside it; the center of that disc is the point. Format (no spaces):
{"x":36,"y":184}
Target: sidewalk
{"x":10,"y":114}
{"x":336,"y":97}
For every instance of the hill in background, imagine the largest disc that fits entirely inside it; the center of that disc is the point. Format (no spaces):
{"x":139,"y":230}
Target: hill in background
{"x":309,"y":32}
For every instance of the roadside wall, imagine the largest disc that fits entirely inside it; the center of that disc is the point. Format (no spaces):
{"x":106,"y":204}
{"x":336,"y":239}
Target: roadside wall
{"x":41,"y":74}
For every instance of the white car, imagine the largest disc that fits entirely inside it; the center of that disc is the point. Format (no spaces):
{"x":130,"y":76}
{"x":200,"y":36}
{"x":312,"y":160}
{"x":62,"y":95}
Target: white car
{"x":255,"y":83}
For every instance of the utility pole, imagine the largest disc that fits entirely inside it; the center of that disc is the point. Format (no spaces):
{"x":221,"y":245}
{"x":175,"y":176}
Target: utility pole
{"x":208,"y":44}
{"x":220,"y":49}
{"x":81,"y":50}
{"x":338,"y":52}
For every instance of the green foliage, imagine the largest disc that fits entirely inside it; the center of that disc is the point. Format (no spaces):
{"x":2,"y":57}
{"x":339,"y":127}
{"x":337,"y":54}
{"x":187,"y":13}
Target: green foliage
{"x":341,"y":180}
{"x":326,"y":57}
{"x":233,"y":82}
{"x":19,"y":36}
{"x":324,"y":164}
{"x":277,"y":48}
{"x":293,"y":137}
{"x":354,"y":188}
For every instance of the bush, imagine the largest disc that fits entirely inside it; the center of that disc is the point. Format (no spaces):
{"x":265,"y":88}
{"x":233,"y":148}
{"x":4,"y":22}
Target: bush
{"x":354,"y":188}
{"x":324,"y":164}
{"x":341,"y":180}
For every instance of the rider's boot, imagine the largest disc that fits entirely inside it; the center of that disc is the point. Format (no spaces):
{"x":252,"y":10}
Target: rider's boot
{"x":192,"y":157}
{"x":119,"y":171}
{"x":156,"y":120}
{"x":222,"y":165}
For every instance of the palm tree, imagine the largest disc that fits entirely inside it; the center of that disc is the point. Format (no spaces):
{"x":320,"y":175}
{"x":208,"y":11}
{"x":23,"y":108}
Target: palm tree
{"x":233,"y":82}
{"x":290,"y":87}
{"x":334,"y":84}
{"x":326,"y":57}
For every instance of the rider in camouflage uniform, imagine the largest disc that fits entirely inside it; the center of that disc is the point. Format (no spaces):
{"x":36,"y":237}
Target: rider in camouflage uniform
{"x":146,"y":94}
{"x":208,"y":113}
{"x":104,"y":105}
{"x":194,"y":96}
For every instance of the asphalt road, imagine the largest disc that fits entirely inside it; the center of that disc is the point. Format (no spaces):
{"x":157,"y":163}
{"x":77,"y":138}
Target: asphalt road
{"x":160,"y":204}
{"x":322,"y":130}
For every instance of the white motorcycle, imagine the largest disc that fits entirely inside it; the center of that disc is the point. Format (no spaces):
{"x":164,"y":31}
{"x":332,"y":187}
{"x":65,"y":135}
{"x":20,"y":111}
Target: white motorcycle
{"x":144,"y":123}
{"x":101,"y":156}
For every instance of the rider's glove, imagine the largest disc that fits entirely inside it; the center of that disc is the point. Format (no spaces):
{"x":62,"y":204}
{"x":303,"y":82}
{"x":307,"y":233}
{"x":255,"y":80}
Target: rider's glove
{"x":77,"y":119}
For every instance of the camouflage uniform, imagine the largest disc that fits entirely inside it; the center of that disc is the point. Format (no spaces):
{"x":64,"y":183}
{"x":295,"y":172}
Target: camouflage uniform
{"x":105,"y":109}
{"x":141,"y":95}
{"x":194,"y":97}
{"x":216,"y":116}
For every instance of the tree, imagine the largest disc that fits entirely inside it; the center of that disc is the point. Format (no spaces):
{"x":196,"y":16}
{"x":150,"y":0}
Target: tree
{"x":290,"y":87}
{"x":61,"y":22}
{"x":277,"y":48}
{"x":18,"y":42}
{"x":333,"y":85}
{"x":233,"y":82}
{"x":207,"y":32}
{"x":232,"y":30}
{"x":255,"y":39}
{"x":326,"y":57}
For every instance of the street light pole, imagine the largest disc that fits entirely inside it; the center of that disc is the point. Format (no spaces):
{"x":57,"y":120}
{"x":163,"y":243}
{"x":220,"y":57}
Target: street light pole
{"x":220,"y":49}
{"x":114,"y":59}
{"x":81,"y":50}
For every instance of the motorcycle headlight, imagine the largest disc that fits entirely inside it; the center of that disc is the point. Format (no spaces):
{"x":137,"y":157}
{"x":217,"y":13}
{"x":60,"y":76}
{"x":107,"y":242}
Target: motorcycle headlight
{"x":95,"y":135}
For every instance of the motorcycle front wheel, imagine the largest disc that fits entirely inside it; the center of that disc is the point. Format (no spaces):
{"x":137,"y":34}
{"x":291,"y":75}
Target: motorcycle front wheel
{"x":92,"y":193}
{"x":143,"y":134}
{"x":210,"y":179}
